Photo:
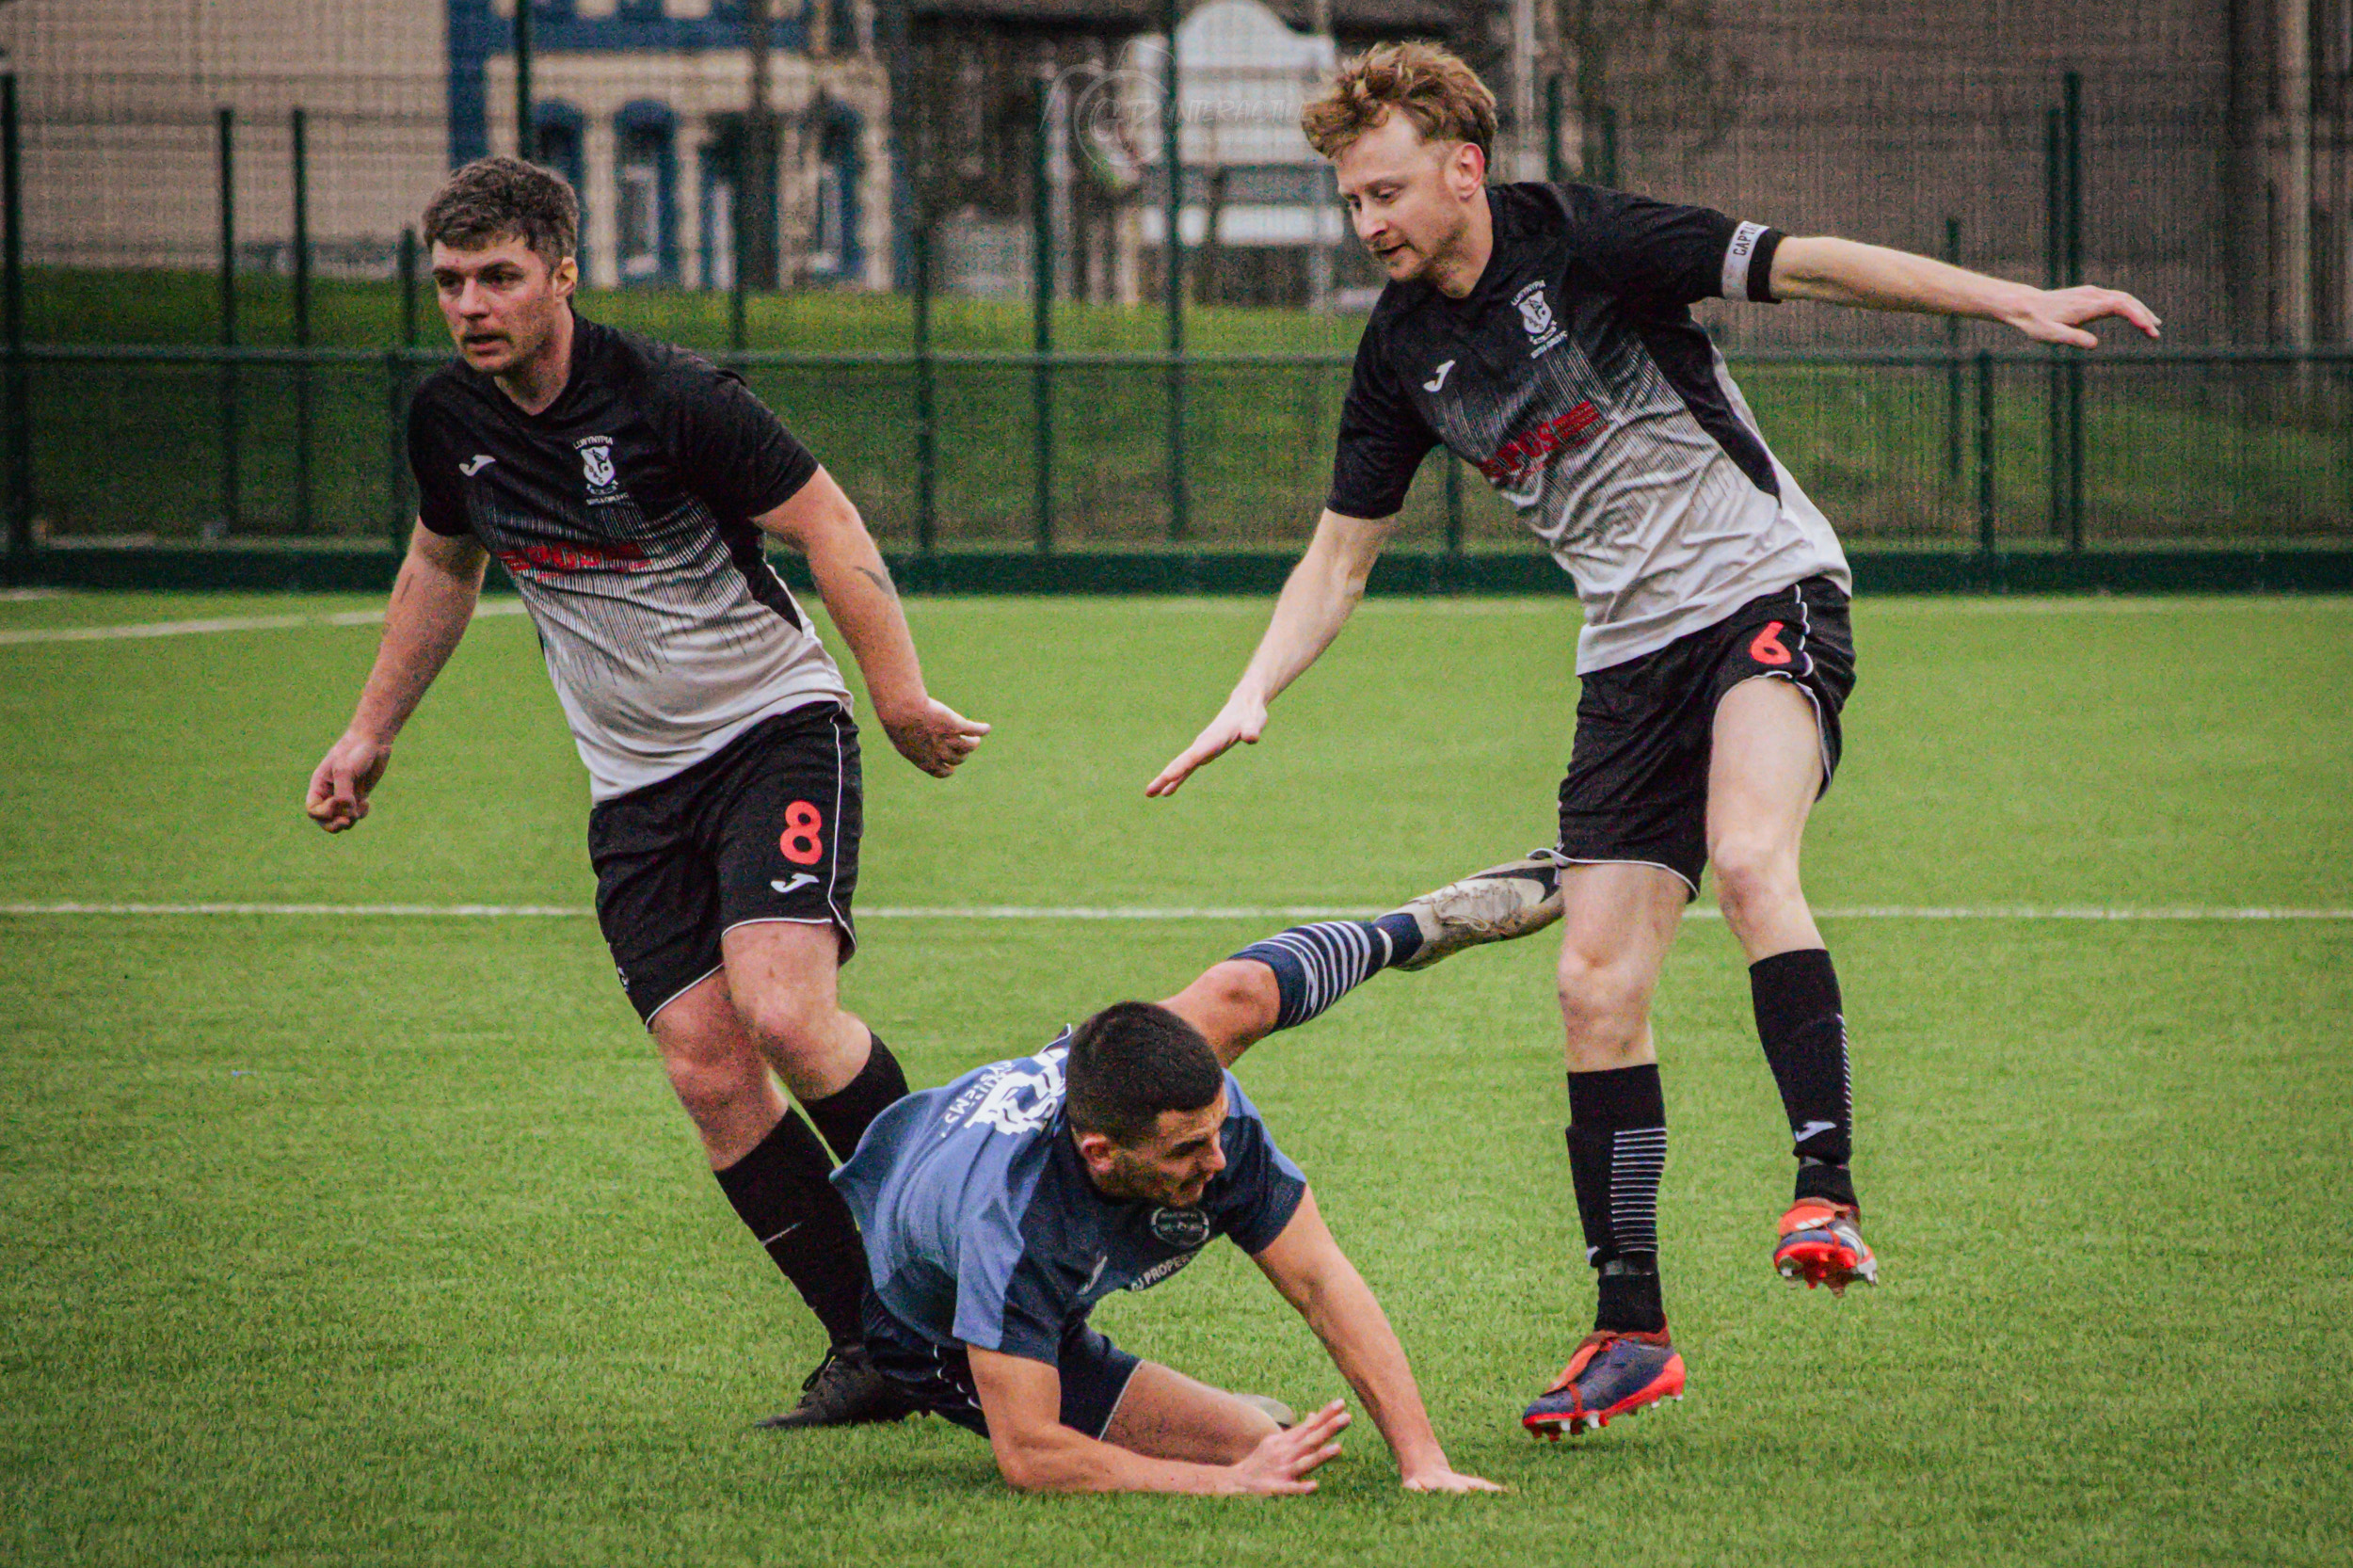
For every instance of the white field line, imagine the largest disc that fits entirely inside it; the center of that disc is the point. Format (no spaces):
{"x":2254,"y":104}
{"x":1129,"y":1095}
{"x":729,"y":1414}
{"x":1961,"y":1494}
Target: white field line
{"x":1149,"y":912}
{"x":225,"y":623}
{"x":1563,"y":604}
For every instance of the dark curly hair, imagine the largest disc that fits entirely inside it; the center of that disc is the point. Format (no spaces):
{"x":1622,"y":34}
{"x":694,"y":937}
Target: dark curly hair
{"x":1131,"y":1062}
{"x":495,"y":198}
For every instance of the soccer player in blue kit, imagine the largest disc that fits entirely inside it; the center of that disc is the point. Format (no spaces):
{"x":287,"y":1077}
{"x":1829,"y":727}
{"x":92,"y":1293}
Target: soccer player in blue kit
{"x":1543,"y":333}
{"x":999,"y":1209}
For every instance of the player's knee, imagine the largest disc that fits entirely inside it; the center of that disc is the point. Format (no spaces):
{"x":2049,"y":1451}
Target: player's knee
{"x":708,"y":1083}
{"x":1752,"y":876}
{"x":1243,"y":991}
{"x":787,"y":1024}
{"x":1602,"y":999}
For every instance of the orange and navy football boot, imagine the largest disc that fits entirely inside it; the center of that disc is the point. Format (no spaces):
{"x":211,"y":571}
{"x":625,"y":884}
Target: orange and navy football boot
{"x":1822,"y":1243}
{"x":1611,"y":1375}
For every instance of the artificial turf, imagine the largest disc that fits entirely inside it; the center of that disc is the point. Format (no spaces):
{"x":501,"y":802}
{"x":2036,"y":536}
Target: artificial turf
{"x":331,"y":1240}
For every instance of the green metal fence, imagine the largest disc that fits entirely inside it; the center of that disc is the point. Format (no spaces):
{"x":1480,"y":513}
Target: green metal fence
{"x":1984,"y":451}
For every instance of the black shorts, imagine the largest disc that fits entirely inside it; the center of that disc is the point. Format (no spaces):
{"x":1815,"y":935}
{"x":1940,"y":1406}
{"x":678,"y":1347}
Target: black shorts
{"x":1095,"y":1374}
{"x":1637,"y":786}
{"x":766,"y":829}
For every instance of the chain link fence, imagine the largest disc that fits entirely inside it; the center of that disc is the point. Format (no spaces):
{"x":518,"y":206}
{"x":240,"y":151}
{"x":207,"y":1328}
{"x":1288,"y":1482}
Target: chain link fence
{"x":218,"y":323}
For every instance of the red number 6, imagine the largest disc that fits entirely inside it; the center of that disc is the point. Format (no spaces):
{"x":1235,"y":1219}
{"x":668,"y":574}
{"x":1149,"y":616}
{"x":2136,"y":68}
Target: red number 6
{"x":1767,"y":649}
{"x":802,"y":823}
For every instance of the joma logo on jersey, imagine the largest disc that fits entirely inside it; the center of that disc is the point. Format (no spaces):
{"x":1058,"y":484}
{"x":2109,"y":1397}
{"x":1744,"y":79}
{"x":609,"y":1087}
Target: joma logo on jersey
{"x":1515,"y":457}
{"x":596,"y":467}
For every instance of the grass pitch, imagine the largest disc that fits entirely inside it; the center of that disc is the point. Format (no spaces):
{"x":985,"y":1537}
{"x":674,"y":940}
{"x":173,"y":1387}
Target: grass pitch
{"x":334,"y":1239}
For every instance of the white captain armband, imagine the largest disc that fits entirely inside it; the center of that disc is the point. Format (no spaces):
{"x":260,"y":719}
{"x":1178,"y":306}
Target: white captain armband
{"x":1749,"y":264}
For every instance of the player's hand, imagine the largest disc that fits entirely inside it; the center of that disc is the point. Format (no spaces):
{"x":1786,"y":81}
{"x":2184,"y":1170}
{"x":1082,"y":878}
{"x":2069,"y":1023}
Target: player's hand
{"x":1240,"y":722}
{"x":1280,"y":1465}
{"x":2058,"y":315}
{"x":1439,"y":1478}
{"x":340,"y":782}
{"x":932,"y":736}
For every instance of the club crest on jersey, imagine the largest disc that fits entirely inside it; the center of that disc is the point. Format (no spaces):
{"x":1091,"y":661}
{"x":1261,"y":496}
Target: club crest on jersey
{"x":596,"y":467}
{"x":1181,"y":1227}
{"x":1543,"y":329}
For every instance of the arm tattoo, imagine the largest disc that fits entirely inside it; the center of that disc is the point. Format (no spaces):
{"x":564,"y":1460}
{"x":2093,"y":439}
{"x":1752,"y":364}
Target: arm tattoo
{"x":881,"y":579}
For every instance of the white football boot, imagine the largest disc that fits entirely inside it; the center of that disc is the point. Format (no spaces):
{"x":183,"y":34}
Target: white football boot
{"x":1502,"y":903}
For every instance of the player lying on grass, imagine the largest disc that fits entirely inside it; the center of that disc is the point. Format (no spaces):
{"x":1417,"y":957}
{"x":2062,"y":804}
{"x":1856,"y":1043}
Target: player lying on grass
{"x":999,"y":1208}
{"x":1543,"y":333}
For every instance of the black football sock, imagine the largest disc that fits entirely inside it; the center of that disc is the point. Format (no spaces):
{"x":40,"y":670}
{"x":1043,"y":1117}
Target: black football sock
{"x":1315,"y":966}
{"x":1617,"y":1153}
{"x":1804,"y":1034}
{"x":780,"y":1193}
{"x":842,"y":1116}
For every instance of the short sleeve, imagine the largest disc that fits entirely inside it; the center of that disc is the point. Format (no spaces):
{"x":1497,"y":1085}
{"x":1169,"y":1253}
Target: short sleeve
{"x":1383,"y":437}
{"x":1664,"y":254}
{"x":1258,"y":1192}
{"x":1028,"y":1321}
{"x":1006,"y":1298}
{"x":439,"y":506}
{"x":733,"y":452}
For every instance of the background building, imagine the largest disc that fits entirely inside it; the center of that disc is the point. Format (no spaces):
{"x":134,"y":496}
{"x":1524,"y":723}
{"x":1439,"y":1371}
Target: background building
{"x":2217,"y":177}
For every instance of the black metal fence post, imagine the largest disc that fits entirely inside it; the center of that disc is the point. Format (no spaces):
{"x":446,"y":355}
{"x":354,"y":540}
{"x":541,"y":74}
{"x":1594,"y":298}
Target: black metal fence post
{"x":20,"y":499}
{"x":1173,"y":253}
{"x":409,"y":288}
{"x":1603,"y":169}
{"x":1556,"y":169}
{"x":1453,"y":505}
{"x":229,"y":507}
{"x":1952,"y":372}
{"x":2054,"y":243}
{"x":926,"y":438}
{"x":1042,"y":312}
{"x":1986,"y":544}
{"x":524,"y":138}
{"x":395,"y":448}
{"x":2071,"y":90}
{"x":300,"y":132}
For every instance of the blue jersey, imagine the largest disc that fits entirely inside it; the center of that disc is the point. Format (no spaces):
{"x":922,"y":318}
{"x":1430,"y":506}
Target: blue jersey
{"x":983,"y":1230}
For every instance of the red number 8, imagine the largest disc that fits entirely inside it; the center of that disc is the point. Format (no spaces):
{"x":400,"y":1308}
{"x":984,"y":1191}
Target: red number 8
{"x":801,"y":845}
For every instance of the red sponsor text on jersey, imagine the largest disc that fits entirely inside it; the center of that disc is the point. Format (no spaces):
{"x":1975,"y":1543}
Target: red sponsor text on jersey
{"x":1515,"y":457}
{"x":616,"y":555}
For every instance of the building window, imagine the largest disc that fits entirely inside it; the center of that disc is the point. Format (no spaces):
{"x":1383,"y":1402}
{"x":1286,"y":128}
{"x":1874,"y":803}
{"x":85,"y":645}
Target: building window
{"x":643,"y":197}
{"x":560,"y":145}
{"x":833,"y":231}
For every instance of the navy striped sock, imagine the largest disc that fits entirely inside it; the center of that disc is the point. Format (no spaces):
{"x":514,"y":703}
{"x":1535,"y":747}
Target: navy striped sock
{"x":1315,"y":966}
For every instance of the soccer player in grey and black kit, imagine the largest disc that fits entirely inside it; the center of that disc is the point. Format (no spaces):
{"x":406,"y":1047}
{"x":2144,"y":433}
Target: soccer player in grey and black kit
{"x":1543,"y":333}
{"x":628,"y":487}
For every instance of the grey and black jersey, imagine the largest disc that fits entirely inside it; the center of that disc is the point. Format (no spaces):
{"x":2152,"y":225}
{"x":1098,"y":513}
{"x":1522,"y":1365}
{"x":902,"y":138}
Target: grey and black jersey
{"x":623,"y":511}
{"x":1575,"y":379}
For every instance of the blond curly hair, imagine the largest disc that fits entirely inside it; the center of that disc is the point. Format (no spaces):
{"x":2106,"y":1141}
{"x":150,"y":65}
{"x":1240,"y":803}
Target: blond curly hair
{"x":1442,"y":97}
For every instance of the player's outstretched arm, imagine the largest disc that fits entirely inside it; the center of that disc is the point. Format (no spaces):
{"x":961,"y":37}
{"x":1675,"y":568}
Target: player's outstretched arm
{"x":1306,"y":1265}
{"x":822,"y":523}
{"x":1317,"y":598}
{"x":1021,"y":1400}
{"x":432,"y":601}
{"x":1845,"y":272}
